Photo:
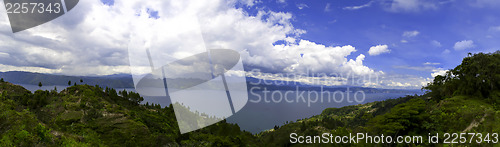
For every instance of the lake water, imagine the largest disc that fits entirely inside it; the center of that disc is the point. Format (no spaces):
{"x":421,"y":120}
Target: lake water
{"x":257,"y":116}
{"x":265,"y":110}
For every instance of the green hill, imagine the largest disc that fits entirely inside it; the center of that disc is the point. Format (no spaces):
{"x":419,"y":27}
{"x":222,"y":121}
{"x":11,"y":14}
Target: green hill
{"x":465,"y":100}
{"x":86,"y":115}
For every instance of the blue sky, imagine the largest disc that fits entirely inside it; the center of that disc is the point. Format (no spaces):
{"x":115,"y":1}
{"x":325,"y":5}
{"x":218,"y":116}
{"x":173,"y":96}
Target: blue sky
{"x":403,"y":42}
{"x":439,"y":27}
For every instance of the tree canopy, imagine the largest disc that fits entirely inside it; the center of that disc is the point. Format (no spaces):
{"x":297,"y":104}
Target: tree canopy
{"x":478,"y":75}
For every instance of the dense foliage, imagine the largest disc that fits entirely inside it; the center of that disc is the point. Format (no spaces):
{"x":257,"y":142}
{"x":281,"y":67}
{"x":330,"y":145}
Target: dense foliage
{"x":478,"y":75}
{"x":465,"y":100}
{"x":86,"y":115}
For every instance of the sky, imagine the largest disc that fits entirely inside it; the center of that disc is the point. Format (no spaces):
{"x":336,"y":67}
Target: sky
{"x":404,"y":43}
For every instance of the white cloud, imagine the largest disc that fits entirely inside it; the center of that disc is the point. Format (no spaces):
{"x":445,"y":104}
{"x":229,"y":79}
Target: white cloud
{"x":404,"y":41}
{"x":95,"y":43}
{"x":281,"y":1}
{"x":379,"y":49}
{"x":410,"y":33}
{"x":374,"y":80}
{"x":411,"y":5}
{"x":249,"y":2}
{"x":358,"y":7}
{"x":327,"y":8}
{"x":93,"y":39}
{"x":4,"y":55}
{"x":431,"y":63}
{"x":437,"y":72}
{"x":302,"y":6}
{"x":465,"y":44}
{"x":316,"y":58}
{"x":436,"y":43}
{"x":402,"y":82}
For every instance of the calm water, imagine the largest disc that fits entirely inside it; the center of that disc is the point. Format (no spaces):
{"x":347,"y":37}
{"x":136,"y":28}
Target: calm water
{"x":257,"y":116}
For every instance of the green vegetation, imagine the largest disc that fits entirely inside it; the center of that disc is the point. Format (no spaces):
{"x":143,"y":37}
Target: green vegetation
{"x":465,"y":100}
{"x":86,"y":115}
{"x":478,"y":75}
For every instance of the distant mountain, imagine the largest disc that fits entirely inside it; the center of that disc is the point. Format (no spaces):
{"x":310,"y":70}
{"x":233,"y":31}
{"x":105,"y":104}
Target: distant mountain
{"x":252,"y":82}
{"x":125,"y":81}
{"x":115,"y":81}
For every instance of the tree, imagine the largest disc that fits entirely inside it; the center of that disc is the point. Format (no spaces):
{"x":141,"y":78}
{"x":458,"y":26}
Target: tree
{"x":478,"y":75}
{"x":40,"y":84}
{"x":81,"y":81}
{"x":69,"y":83}
{"x":1,"y":80}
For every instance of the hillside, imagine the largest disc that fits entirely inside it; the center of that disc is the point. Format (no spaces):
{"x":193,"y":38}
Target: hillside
{"x":465,"y":100}
{"x":85,"y":115}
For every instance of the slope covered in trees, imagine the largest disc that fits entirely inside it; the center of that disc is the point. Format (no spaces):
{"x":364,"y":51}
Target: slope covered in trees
{"x":86,"y":115}
{"x":465,"y":100}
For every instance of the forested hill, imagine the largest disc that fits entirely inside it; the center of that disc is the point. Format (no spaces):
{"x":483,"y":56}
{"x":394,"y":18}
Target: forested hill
{"x":465,"y":100}
{"x":84,"y":115}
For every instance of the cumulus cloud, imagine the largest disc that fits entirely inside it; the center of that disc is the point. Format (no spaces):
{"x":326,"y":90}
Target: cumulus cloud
{"x":88,"y":41}
{"x":438,"y":72}
{"x":379,"y":49}
{"x":465,"y":44}
{"x":95,"y":41}
{"x":410,"y":33}
{"x":308,"y":56}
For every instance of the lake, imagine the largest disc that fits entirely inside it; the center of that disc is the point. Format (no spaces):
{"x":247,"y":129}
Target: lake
{"x":257,"y":116}
{"x":276,"y":109}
